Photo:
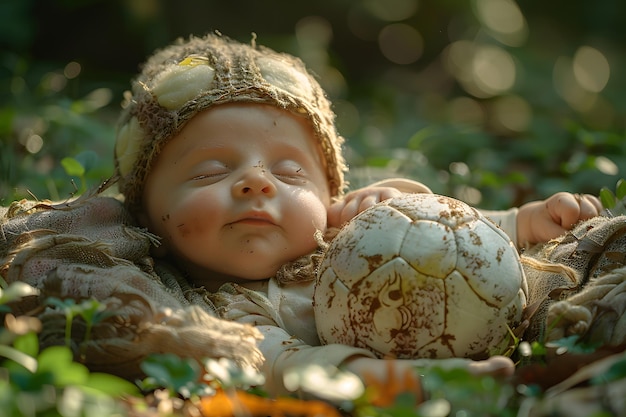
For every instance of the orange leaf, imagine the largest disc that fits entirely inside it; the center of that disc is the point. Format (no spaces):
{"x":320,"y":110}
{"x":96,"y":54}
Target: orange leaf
{"x":239,"y":403}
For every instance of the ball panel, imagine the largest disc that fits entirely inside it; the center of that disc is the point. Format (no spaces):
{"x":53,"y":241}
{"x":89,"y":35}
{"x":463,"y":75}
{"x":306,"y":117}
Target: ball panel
{"x":355,"y":256}
{"x":396,"y":309}
{"x":489,"y":263}
{"x":445,"y":210}
{"x":430,"y":248}
{"x":330,"y":307}
{"x":514,"y":255}
{"x":474,"y":325}
{"x":334,"y":290}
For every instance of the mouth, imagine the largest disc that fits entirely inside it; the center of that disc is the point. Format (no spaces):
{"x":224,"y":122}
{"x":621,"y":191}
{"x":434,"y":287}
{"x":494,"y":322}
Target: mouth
{"x":254,"y":222}
{"x":256,"y":219}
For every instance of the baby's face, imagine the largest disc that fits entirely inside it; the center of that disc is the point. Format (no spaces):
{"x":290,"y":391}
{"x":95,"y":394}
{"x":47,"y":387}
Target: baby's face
{"x":238,"y":192}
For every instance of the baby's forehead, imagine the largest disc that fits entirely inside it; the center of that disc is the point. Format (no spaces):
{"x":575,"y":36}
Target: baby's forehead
{"x":240,"y":125}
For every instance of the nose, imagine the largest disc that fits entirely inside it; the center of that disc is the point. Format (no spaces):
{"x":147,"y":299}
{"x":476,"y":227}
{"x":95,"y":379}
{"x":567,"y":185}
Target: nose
{"x":254,"y":181}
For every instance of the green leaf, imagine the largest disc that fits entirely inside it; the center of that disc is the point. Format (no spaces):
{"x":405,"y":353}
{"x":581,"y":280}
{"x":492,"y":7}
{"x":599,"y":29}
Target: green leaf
{"x":572,"y":344}
{"x":607,"y":198}
{"x":58,"y":360}
{"x":620,"y":189}
{"x":72,"y":167}
{"x":93,"y":311}
{"x":28,"y":344}
{"x":171,"y":371}
{"x":538,"y":349}
{"x":66,"y":305}
{"x":111,"y":385}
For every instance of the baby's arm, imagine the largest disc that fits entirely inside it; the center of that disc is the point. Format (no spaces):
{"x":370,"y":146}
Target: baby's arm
{"x":540,"y":221}
{"x":534,"y":222}
{"x":283,"y":352}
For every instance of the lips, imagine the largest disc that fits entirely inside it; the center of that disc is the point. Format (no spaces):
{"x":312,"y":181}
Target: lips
{"x":256,"y":218}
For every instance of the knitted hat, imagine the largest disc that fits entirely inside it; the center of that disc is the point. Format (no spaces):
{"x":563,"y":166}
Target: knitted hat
{"x":192,"y":75}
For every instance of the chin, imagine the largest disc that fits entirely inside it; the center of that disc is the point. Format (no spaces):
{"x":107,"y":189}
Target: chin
{"x":257,"y":274}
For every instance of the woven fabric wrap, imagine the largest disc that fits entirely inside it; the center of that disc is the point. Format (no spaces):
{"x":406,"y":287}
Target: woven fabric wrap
{"x":190,"y":76}
{"x":578,"y":283}
{"x":89,"y":248}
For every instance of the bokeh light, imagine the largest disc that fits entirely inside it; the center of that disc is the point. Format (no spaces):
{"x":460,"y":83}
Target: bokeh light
{"x":392,"y":10}
{"x":34,"y":143}
{"x":483,"y":70}
{"x":504,"y":20}
{"x":313,"y":35}
{"x":98,"y":98}
{"x":576,"y":81}
{"x":470,"y":195}
{"x":313,"y":30}
{"x":606,"y":166}
{"x":568,"y":88}
{"x":459,"y":168}
{"x":72,"y":70}
{"x":493,"y":70}
{"x":53,"y":82}
{"x":467,"y":111}
{"x":401,"y":43}
{"x":513,"y":113}
{"x":591,"y":69}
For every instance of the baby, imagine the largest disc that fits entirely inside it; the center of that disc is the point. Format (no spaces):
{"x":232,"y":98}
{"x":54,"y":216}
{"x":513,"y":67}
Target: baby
{"x":229,"y":153}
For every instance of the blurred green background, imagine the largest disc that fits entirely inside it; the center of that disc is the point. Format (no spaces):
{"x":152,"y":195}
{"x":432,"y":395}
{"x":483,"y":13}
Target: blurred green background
{"x":495,"y":102}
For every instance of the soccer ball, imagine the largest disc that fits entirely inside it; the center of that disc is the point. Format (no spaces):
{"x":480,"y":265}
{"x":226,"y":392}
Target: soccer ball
{"x":420,"y":276}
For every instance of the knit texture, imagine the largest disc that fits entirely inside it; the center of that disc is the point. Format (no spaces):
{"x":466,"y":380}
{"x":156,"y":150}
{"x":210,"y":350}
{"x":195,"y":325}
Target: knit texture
{"x":192,"y":75}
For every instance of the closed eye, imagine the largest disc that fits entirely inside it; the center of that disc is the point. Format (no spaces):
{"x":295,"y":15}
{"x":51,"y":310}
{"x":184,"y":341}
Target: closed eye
{"x":289,"y":171}
{"x":209,"y":176}
{"x":209,"y":171}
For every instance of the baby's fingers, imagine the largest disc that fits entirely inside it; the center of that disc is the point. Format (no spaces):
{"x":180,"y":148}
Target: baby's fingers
{"x":336,"y":213}
{"x":341,"y":213}
{"x":590,"y":206}
{"x":564,"y":209}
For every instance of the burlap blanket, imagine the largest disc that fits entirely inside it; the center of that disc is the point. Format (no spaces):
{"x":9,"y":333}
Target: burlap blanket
{"x":577,"y":289}
{"x":577,"y":284}
{"x":89,"y":248}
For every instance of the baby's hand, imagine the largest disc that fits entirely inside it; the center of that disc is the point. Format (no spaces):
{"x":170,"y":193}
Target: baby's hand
{"x":340,"y":212}
{"x":540,"y":221}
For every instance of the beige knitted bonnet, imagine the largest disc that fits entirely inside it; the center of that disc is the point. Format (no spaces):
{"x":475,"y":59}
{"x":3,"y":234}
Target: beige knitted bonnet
{"x":189,"y":76}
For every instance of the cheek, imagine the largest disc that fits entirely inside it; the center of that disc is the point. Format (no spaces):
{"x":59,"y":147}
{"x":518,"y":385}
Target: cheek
{"x":320,"y":218}
{"x":313,"y":212}
{"x":189,"y":220}
{"x":187,"y":228}
{"x":185,"y":219}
